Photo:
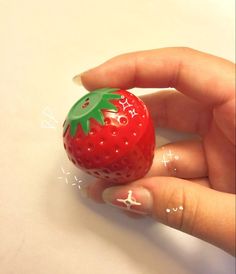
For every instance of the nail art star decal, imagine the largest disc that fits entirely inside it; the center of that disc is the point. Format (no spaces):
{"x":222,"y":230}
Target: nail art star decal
{"x":129,"y":201}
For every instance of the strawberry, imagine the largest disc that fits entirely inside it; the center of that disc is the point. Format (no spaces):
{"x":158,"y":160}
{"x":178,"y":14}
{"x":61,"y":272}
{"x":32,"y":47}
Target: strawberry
{"x":109,"y":134}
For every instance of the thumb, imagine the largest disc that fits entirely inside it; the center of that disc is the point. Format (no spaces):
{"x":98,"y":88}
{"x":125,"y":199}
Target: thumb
{"x":197,"y":210}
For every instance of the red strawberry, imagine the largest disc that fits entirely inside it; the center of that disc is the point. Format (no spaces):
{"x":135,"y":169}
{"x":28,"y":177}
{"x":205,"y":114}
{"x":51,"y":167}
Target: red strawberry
{"x":109,"y":134}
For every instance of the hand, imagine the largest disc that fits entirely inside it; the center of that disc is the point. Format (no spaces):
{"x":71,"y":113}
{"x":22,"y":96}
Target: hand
{"x":191,"y":184}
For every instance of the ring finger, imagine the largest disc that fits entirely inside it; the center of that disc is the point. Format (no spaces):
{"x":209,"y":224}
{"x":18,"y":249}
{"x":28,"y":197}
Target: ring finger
{"x":184,"y":159}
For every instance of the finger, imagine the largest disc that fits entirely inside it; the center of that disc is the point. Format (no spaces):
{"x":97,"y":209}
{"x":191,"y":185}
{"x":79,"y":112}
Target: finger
{"x":201,"y":181}
{"x":133,"y":215}
{"x":174,"y":159}
{"x":184,"y":159}
{"x":94,"y":190}
{"x":201,"y":76}
{"x":172,"y":109}
{"x":191,"y":208}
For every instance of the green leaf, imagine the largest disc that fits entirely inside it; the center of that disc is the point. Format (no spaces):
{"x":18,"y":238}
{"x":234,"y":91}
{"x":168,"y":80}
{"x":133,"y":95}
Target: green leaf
{"x":91,"y":106}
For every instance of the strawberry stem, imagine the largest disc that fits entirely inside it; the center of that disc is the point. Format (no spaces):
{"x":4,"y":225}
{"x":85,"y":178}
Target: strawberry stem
{"x":91,"y":106}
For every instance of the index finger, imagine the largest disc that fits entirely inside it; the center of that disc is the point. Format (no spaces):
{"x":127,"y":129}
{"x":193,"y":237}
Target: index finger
{"x":206,"y":78}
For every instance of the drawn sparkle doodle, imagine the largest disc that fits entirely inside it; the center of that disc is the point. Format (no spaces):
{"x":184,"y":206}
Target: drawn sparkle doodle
{"x":133,"y":112}
{"x":168,"y":158}
{"x":164,"y":160}
{"x":67,"y":176}
{"x":49,"y":121}
{"x":64,"y":175}
{"x":129,"y":201}
{"x":170,"y":154}
{"x":125,"y":104}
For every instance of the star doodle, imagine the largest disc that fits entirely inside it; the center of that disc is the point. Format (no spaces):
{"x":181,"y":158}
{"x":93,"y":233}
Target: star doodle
{"x":64,"y":175}
{"x":170,"y":154}
{"x":77,"y":182}
{"x":71,"y":179}
{"x":133,"y":112}
{"x":129,"y":201}
{"x":125,"y":104}
{"x":169,"y":157}
{"x":49,"y":120}
{"x":164,"y":160}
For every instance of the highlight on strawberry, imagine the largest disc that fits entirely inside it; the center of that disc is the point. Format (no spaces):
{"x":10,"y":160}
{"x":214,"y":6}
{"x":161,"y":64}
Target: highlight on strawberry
{"x":109,"y":134}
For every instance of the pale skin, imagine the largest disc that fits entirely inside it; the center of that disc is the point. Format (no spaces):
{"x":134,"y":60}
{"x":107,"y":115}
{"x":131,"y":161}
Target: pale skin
{"x":202,"y":101}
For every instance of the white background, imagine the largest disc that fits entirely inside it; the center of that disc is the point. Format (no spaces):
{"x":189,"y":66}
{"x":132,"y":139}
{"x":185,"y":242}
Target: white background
{"x":45,"y":227}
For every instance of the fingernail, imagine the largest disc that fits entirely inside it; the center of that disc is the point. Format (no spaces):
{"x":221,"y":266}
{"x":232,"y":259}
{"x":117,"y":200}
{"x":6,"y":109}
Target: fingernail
{"x":77,"y":79}
{"x":135,"y":199}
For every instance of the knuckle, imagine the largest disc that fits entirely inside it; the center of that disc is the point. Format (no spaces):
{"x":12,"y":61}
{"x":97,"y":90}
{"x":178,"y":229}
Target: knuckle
{"x":181,"y":209}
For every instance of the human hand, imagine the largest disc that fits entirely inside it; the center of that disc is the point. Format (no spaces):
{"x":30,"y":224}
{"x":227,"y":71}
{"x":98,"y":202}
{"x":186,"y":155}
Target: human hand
{"x":191,"y":184}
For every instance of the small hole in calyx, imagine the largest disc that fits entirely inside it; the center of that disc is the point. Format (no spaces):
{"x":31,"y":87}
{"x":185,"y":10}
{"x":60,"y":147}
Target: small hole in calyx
{"x":86,"y":103}
{"x":107,"y":121}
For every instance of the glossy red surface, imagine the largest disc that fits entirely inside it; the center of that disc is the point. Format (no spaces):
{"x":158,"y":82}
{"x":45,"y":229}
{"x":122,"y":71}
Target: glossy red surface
{"x":121,"y":150}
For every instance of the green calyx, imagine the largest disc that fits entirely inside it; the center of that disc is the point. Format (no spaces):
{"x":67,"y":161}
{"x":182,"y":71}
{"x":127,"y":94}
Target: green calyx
{"x":91,"y":106}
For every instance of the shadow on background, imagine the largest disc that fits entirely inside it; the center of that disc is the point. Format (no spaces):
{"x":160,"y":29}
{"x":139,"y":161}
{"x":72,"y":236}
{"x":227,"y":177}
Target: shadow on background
{"x":146,"y":242}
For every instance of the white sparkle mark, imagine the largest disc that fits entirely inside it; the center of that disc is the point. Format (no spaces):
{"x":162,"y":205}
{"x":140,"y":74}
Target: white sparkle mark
{"x":129,"y":201}
{"x":63,"y":171}
{"x":77,"y":182}
{"x":125,"y":104}
{"x":67,"y":177}
{"x":133,"y":112}
{"x":49,"y":119}
{"x":181,"y":208}
{"x":175,"y":209}
{"x":176,"y":157}
{"x":164,"y":160}
{"x":170,"y":154}
{"x":168,"y":210}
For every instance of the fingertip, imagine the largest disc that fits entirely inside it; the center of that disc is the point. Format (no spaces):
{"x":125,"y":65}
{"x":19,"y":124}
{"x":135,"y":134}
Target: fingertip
{"x":77,"y":79}
{"x":86,"y":79}
{"x":91,"y":79}
{"x":96,"y":189}
{"x":116,"y":72}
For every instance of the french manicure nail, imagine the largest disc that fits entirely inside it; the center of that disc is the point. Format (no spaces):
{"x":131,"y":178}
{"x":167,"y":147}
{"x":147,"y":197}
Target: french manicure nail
{"x":77,"y":79}
{"x":135,"y":199}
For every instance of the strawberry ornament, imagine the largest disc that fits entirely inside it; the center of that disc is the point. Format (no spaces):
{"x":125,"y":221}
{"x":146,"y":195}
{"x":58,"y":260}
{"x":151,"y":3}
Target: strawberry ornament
{"x":109,"y":134}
